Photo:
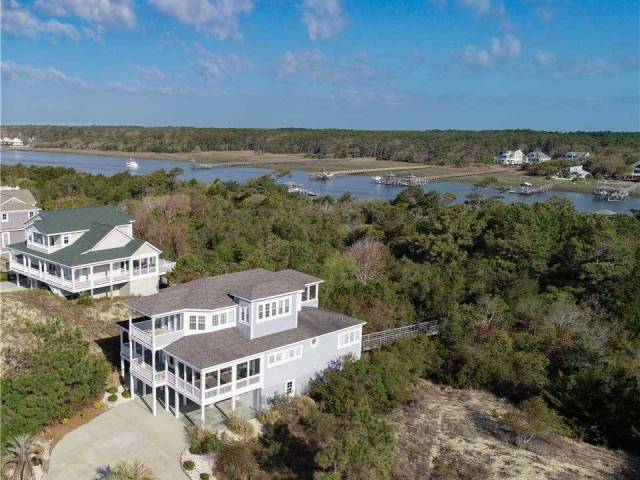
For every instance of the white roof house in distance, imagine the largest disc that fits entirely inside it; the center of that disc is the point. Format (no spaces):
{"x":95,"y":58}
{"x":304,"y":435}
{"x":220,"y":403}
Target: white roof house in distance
{"x":510,"y":157}
{"x":537,"y":156}
{"x":12,"y":142}
{"x":16,"y":207}
{"x":577,"y":154}
{"x":635,"y":171}
{"x":578,"y":172}
{"x":247,"y":336}
{"x":88,"y":249}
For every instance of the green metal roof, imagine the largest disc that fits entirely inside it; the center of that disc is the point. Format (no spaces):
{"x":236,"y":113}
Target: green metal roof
{"x":76,"y":219}
{"x":73,"y":256}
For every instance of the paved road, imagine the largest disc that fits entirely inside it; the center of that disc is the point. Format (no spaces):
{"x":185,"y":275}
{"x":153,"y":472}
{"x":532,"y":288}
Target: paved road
{"x":126,"y":432}
{"x":6,"y":287}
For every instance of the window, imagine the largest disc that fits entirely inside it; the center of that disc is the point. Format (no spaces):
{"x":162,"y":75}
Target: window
{"x":241,"y":371}
{"x":225,"y":376}
{"x":314,"y":342}
{"x":201,"y":322}
{"x":65,"y":240}
{"x":31,"y":214}
{"x":280,"y":307}
{"x":346,"y":339}
{"x":211,"y":379}
{"x":310,"y":293}
{"x":5,"y":217}
{"x":215,"y":319}
{"x":254,"y":367}
{"x":290,"y":388}
{"x":244,"y":314}
{"x":192,"y":322}
{"x":260,"y":311}
{"x":284,"y":356}
{"x":286,"y":305}
{"x":223,"y":318}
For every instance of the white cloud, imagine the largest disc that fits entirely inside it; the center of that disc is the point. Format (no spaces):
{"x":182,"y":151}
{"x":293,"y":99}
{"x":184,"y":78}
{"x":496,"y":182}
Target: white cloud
{"x":139,"y":88}
{"x":477,"y":6}
{"x":501,"y":49}
{"x":544,"y":58}
{"x":323,"y":18}
{"x":599,"y":68}
{"x":21,"y":22}
{"x":151,"y":73}
{"x":216,"y":17}
{"x":215,"y":65}
{"x":14,"y":71}
{"x":372,"y":96}
{"x":314,"y":65}
{"x":544,"y":12}
{"x":99,"y":12}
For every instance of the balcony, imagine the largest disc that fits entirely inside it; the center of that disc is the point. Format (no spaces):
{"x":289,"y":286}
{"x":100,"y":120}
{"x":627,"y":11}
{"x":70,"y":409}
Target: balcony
{"x":145,"y":372}
{"x":144,"y":333}
{"x":166,"y":266}
{"x":222,"y":392}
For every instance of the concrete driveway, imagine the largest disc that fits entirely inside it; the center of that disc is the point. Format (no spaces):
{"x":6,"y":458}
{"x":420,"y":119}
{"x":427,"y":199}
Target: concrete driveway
{"x":126,"y":432}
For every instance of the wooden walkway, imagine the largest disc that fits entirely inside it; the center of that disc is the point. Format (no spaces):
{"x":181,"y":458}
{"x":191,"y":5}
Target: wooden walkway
{"x":378,"y":339}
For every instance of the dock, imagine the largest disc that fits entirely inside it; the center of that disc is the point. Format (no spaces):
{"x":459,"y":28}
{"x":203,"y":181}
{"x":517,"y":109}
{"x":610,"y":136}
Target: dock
{"x":299,"y":189}
{"x":430,"y":178}
{"x":529,"y":189}
{"x":380,"y":339}
{"x":610,"y":194}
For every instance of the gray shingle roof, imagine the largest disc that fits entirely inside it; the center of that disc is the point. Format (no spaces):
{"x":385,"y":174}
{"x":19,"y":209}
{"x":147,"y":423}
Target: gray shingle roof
{"x":209,"y":293}
{"x":76,"y":219}
{"x":23,"y":200}
{"x":209,"y":349}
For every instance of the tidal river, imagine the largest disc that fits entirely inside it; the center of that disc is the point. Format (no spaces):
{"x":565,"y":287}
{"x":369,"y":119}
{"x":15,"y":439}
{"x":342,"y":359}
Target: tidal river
{"x":359,"y":186}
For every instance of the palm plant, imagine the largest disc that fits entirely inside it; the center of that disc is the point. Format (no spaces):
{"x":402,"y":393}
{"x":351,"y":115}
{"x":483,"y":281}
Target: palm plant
{"x":21,"y":455}
{"x":126,"y":471}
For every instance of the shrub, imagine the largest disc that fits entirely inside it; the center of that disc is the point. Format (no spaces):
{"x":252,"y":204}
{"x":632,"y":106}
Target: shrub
{"x":202,"y":440}
{"x":113,"y":398}
{"x":189,"y":465}
{"x":241,"y":426}
{"x":235,"y":461}
{"x":63,"y":376}
{"x":126,"y":393}
{"x":112,"y":390}
{"x":269,"y":416}
{"x":204,"y":476}
{"x":99,"y":406}
{"x":85,"y":300}
{"x":275,"y":445}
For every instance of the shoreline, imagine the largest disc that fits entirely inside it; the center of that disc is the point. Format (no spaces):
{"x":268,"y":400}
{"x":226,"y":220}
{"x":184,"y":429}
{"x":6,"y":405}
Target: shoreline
{"x":299,"y":162}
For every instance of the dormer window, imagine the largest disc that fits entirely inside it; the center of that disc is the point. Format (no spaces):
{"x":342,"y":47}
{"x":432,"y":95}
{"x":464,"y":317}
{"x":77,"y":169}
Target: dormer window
{"x":310,"y":293}
{"x":65,"y":240}
{"x":5,"y":217}
{"x":274,"y":308}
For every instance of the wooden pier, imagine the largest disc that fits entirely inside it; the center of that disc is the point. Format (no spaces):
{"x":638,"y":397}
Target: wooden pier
{"x":379,"y":339}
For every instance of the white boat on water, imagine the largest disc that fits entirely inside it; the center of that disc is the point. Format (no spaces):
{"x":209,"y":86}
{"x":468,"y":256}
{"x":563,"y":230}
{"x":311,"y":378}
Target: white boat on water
{"x":132,"y":164}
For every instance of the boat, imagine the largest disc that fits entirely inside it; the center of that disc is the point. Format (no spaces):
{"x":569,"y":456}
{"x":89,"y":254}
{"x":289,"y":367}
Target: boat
{"x":132,"y":164}
{"x":377,"y":179}
{"x":323,"y":175}
{"x":298,"y":189}
{"x":610,"y":194}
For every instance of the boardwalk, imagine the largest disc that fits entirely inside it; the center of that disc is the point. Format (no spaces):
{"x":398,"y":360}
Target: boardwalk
{"x":378,"y":339}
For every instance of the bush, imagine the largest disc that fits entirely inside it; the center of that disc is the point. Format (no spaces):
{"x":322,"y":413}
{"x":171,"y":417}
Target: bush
{"x":235,"y":461}
{"x":126,"y":393}
{"x":62,"y":377}
{"x":269,"y":416}
{"x":241,"y":426}
{"x":189,"y":465}
{"x":85,"y":299}
{"x":112,"y":390}
{"x":99,"y":406}
{"x":202,"y":440}
{"x":113,"y":397}
{"x":204,"y":476}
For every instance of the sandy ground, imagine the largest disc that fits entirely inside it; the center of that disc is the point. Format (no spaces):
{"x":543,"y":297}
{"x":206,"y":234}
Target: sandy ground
{"x":449,"y":434}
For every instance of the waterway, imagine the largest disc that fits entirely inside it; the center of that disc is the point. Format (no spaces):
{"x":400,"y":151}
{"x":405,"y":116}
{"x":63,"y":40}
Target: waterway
{"x":359,"y":186}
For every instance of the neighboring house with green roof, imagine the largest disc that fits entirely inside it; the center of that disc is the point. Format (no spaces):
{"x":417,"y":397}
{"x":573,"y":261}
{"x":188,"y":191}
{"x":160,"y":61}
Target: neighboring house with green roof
{"x":16,"y":207}
{"x":89,"y":249}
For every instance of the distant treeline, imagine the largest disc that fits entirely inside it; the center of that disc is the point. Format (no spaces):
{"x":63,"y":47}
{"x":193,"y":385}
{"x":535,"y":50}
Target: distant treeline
{"x":434,"y":146}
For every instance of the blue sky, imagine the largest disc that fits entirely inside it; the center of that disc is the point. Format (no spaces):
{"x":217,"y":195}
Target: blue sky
{"x":423,"y":64}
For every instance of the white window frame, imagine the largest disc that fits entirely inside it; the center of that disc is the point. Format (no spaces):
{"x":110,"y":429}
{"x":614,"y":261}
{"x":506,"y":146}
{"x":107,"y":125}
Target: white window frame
{"x":5,"y":216}
{"x":202,"y":324}
{"x":244,"y":314}
{"x":274,"y":308}
{"x":6,"y":238}
{"x":193,"y":322}
{"x":65,"y":240}
{"x":290,"y":392}
{"x":349,"y":338}
{"x":284,"y":355}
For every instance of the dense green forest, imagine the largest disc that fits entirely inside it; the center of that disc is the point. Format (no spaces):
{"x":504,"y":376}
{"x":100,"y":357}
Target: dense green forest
{"x":613,"y":150}
{"x":539,"y":304}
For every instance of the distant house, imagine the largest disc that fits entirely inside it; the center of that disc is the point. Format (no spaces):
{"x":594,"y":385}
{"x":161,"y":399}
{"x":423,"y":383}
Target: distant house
{"x":573,"y":155}
{"x":510,"y":157}
{"x":578,"y":172}
{"x":89,"y":249}
{"x":537,"y":156}
{"x":635,"y":171}
{"x":12,"y":142}
{"x":16,"y":207}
